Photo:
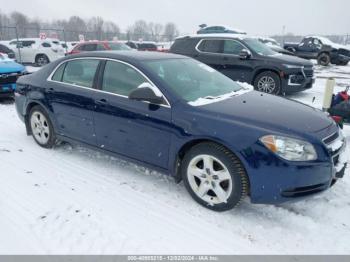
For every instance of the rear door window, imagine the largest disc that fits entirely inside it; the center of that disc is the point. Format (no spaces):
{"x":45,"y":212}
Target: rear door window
{"x":211,"y":46}
{"x":79,"y":72}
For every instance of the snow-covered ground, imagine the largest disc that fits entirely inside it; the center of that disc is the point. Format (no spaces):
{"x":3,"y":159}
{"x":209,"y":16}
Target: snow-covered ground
{"x":77,"y":201}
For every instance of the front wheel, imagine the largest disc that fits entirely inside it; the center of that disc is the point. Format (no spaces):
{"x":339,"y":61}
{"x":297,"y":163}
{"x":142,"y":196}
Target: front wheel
{"x":214,"y":177}
{"x":324,"y":59}
{"x":41,"y":127}
{"x":268,"y":82}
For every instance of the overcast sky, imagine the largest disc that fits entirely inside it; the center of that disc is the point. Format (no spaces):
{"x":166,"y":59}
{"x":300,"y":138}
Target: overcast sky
{"x":264,"y":17}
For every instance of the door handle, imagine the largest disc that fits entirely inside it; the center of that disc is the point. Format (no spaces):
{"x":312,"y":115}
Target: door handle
{"x":50,"y":90}
{"x":101,"y":102}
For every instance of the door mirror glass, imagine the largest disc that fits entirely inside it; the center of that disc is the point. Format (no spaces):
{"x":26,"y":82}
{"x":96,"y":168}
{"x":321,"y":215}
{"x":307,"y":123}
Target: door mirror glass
{"x":245,"y":54}
{"x":145,"y":92}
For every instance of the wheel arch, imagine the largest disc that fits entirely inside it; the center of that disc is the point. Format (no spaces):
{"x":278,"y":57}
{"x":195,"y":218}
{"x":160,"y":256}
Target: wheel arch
{"x":29,"y":107}
{"x":191,"y":143}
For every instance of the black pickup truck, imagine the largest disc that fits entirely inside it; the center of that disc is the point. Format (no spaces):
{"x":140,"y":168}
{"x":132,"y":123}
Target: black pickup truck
{"x":322,"y":49}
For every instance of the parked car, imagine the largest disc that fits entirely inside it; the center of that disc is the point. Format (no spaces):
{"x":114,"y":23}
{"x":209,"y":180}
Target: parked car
{"x":163,"y":46}
{"x":245,"y":59}
{"x":322,"y":49}
{"x":9,"y":72}
{"x":274,"y":45}
{"x":5,"y":50}
{"x":217,"y":29}
{"x":37,"y":51}
{"x":68,"y":46}
{"x":142,"y":46}
{"x":180,"y":116}
{"x":98,"y":46}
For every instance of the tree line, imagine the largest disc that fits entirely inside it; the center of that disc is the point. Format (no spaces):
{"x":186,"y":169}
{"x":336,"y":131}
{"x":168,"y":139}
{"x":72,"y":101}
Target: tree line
{"x":94,"y":28}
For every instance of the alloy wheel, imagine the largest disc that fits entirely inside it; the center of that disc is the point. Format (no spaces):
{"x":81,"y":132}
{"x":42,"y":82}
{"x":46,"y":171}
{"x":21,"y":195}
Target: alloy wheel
{"x":40,"y":127}
{"x":209,"y":179}
{"x":266,"y":84}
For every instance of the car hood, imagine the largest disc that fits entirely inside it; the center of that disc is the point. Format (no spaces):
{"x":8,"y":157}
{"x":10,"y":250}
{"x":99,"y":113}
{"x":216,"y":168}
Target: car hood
{"x":269,"y":112}
{"x":291,"y":60}
{"x":9,"y":66}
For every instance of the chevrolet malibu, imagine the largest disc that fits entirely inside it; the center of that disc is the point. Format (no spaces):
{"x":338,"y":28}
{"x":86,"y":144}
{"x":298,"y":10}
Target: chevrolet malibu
{"x":179,"y":116}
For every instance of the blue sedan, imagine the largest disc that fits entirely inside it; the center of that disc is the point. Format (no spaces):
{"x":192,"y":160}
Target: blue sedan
{"x":179,"y":116}
{"x":9,"y":72}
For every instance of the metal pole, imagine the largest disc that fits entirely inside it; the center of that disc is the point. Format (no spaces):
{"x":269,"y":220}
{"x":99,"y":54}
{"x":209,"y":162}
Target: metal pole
{"x":65,"y":40}
{"x":17,"y":45}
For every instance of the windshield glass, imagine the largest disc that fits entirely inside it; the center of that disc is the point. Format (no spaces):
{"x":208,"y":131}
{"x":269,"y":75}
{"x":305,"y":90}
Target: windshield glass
{"x":325,"y":41}
{"x":118,"y":46}
{"x":192,"y":80}
{"x":259,"y":47}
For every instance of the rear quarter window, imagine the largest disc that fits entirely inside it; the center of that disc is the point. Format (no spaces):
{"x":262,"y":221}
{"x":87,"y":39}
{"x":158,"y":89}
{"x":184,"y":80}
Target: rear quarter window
{"x":184,"y":46}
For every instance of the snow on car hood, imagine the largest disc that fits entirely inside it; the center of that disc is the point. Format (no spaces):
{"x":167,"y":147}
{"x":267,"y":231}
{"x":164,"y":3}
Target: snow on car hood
{"x":208,"y":100}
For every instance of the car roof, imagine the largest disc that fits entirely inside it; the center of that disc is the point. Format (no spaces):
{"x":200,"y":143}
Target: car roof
{"x":129,"y":56}
{"x":221,"y":35}
{"x":224,"y":26}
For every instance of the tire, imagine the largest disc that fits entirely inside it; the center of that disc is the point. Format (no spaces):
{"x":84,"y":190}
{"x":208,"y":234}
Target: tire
{"x":41,"y":127}
{"x":268,"y":82}
{"x":218,"y":191}
{"x":323,"y":59}
{"x":41,"y":60}
{"x":291,"y":49}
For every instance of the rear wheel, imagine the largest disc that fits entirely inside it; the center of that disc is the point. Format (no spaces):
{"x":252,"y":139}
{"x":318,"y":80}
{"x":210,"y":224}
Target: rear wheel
{"x":324,"y":59}
{"x":214,"y":177}
{"x":268,"y":82}
{"x":41,"y":127}
{"x":41,"y":60}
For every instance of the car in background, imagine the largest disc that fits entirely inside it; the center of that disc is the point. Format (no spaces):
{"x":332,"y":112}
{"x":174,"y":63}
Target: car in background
{"x":142,"y":45}
{"x":37,"y":51}
{"x":181,"y":117}
{"x":163,"y":46}
{"x":9,"y":73}
{"x":5,"y":50}
{"x":274,"y":45}
{"x":98,"y":46}
{"x":220,"y":29}
{"x":245,"y":59}
{"x":68,"y":46}
{"x":321,"y":48}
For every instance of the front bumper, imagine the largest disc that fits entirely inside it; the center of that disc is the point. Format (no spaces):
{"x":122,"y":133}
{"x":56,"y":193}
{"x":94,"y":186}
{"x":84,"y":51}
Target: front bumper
{"x":7,"y":90}
{"x":274,"y":180}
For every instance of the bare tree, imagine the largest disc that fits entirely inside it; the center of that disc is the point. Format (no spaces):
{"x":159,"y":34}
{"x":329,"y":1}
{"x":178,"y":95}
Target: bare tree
{"x":95,"y":25}
{"x":170,"y":31}
{"x":20,"y":21}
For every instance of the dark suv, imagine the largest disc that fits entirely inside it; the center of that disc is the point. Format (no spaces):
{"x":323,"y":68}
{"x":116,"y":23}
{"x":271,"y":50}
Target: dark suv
{"x":245,"y":59}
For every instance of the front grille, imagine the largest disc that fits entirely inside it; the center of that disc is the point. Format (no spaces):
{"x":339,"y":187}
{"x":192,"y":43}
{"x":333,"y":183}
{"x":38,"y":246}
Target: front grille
{"x":328,"y":140}
{"x":344,"y":52}
{"x":8,"y":78}
{"x":304,"y":191}
{"x":309,"y":72}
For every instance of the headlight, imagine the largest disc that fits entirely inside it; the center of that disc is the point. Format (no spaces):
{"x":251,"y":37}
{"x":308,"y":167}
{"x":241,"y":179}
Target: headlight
{"x":293,"y":66}
{"x":289,"y":148}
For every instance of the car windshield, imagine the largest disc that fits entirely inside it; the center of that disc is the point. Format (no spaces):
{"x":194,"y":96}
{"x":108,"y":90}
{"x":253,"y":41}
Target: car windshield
{"x":192,"y":80}
{"x":118,"y":46}
{"x":325,"y":41}
{"x":259,"y":47}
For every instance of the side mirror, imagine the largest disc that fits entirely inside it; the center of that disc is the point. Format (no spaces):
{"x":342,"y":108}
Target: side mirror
{"x":144,"y":92}
{"x":245,"y":54}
